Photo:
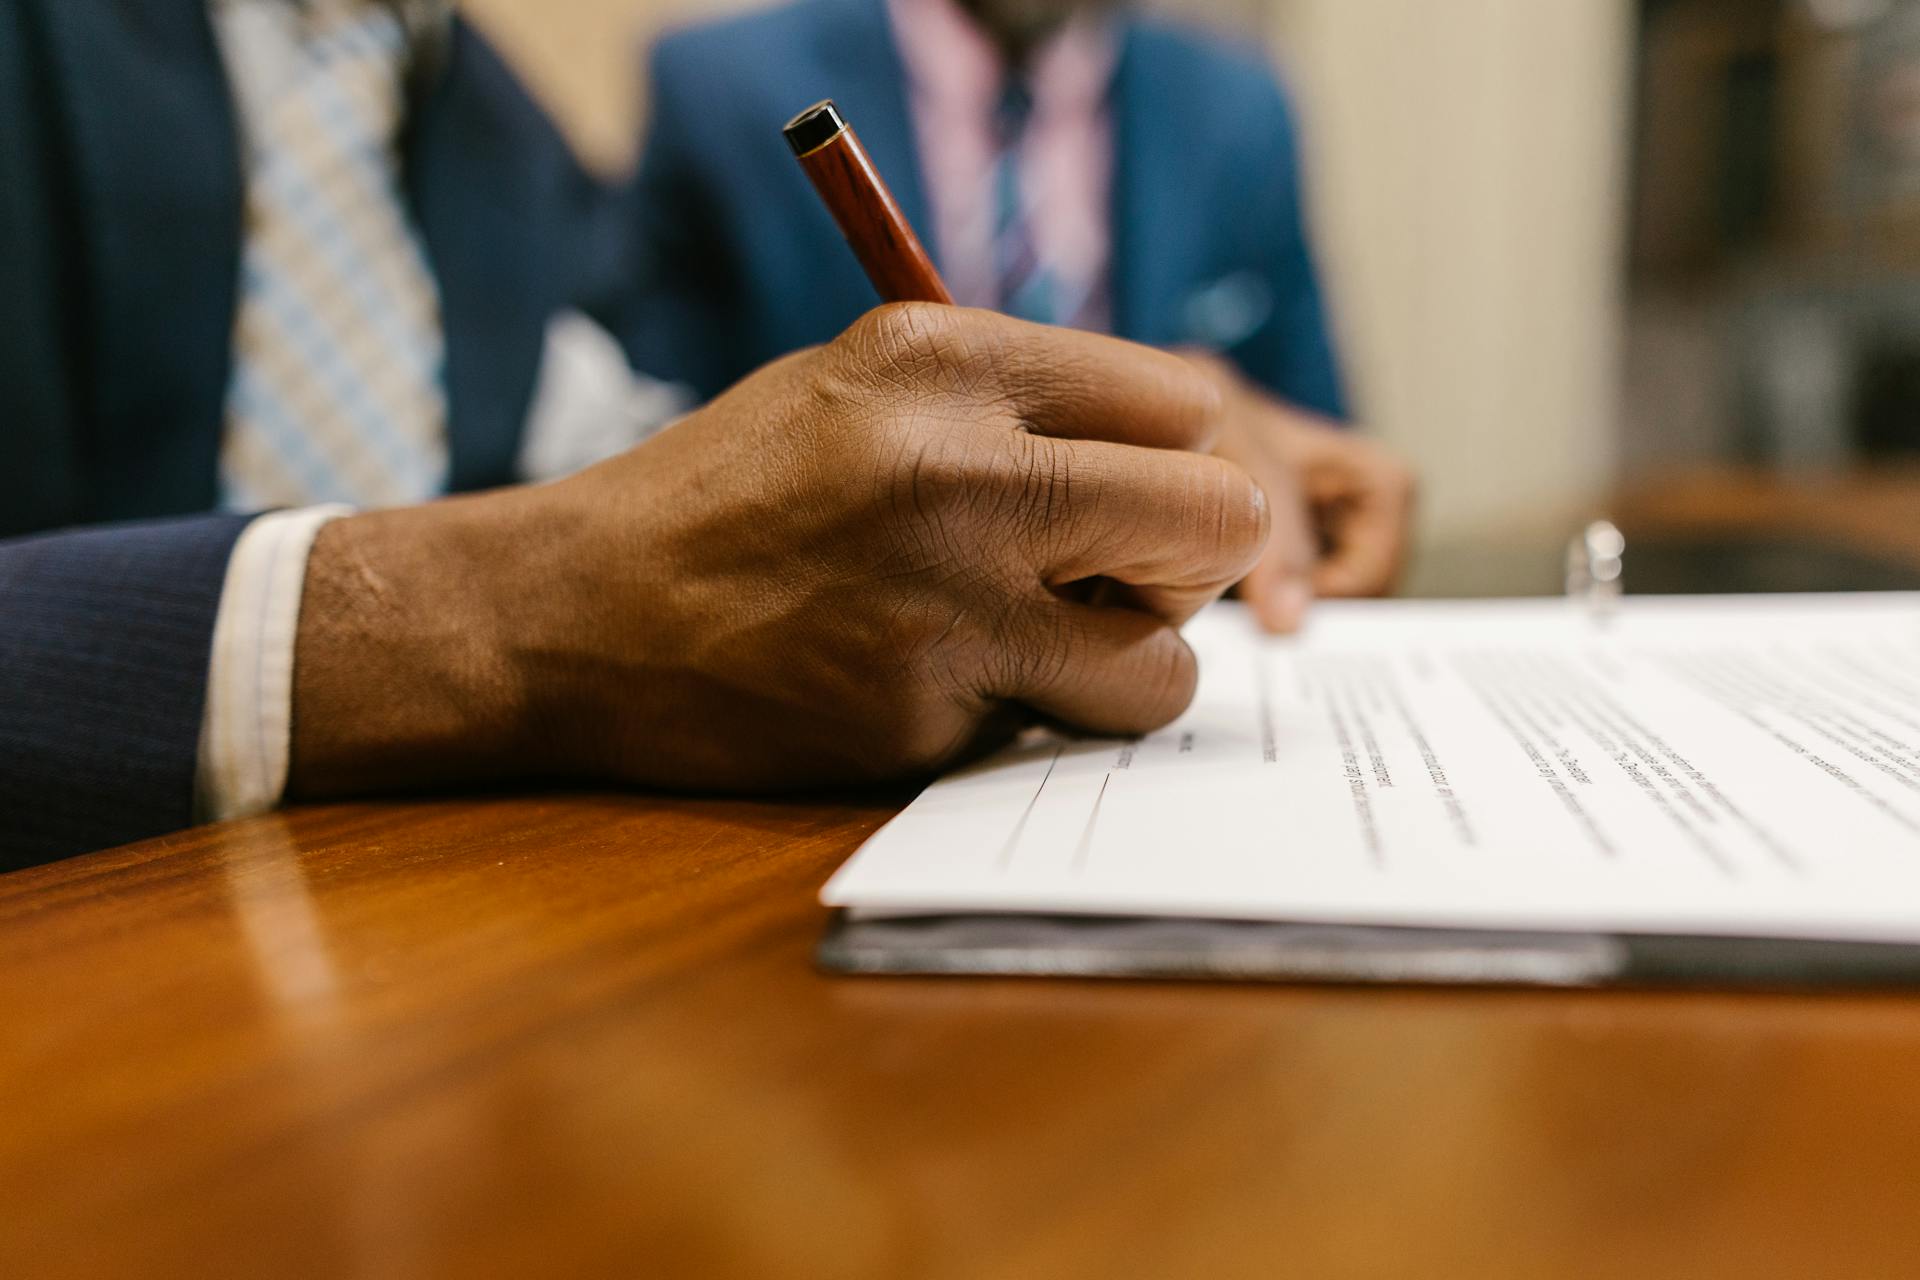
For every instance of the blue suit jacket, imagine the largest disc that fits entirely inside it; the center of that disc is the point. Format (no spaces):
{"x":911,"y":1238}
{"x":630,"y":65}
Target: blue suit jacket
{"x":1209,"y":242}
{"x":120,"y":212}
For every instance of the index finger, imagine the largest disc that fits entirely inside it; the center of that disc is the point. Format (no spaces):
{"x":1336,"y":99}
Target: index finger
{"x":1367,"y":541}
{"x":1085,"y":386}
{"x":1056,"y":382}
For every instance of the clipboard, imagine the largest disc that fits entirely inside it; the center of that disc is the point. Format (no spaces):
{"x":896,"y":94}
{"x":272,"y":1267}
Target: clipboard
{"x":1263,"y":951}
{"x":1185,"y":935}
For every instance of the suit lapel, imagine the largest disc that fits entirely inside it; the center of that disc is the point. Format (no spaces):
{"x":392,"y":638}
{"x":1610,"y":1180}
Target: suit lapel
{"x":158,"y":195}
{"x":477,"y":205}
{"x":1147,"y":236}
{"x":869,"y":81}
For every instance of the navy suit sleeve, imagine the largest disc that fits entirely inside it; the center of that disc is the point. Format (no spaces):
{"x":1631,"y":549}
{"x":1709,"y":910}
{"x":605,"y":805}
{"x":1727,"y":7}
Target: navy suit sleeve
{"x":105,"y":636}
{"x":1293,"y":354}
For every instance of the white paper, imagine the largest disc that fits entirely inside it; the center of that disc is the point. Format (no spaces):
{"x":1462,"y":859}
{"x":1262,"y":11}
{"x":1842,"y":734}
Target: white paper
{"x":1725,"y":765}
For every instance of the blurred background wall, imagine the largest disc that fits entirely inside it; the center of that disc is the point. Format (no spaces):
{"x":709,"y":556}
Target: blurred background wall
{"x":1469,"y":181}
{"x":1470,"y":177}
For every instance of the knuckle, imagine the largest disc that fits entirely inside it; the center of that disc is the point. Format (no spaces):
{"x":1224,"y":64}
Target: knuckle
{"x":922,"y":683}
{"x":917,"y":739}
{"x":910,"y":340}
{"x":944,"y":474}
{"x":1037,"y":652}
{"x":986,"y":501}
{"x":1052,"y":488}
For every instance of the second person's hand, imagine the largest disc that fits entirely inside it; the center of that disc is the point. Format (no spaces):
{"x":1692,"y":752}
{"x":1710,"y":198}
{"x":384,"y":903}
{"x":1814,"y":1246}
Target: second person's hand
{"x":1342,"y":505}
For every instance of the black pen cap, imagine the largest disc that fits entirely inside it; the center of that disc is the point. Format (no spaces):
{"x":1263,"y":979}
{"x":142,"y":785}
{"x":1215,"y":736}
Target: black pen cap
{"x":813,"y":128}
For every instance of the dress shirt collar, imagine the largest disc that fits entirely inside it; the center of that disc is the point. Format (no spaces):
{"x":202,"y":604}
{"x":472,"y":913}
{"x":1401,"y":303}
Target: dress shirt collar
{"x":954,"y":66}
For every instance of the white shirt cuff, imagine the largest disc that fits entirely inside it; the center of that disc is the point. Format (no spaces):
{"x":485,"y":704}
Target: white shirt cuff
{"x":246,"y":731}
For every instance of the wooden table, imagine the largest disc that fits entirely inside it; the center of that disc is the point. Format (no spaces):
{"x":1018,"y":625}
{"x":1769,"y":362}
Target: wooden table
{"x":558,"y":1035}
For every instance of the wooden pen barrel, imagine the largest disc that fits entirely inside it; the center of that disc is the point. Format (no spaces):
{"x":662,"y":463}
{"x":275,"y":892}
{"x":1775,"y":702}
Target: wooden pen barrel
{"x":869,"y":217}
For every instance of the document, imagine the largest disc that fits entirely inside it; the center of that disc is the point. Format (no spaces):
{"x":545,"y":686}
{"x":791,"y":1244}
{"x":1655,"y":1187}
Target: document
{"x":1737,"y":766}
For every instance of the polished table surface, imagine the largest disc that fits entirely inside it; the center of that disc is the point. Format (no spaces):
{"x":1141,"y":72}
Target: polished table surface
{"x":582,"y":1035}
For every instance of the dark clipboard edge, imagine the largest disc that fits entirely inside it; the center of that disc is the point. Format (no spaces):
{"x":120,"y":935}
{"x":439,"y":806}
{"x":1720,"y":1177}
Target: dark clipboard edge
{"x":1257,"y":951}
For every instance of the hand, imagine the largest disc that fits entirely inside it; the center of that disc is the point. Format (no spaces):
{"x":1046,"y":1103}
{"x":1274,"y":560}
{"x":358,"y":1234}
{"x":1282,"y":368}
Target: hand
{"x":1342,"y":505}
{"x":859,"y":563}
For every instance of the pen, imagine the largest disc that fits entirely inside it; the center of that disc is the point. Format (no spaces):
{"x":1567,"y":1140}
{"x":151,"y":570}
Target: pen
{"x":882,"y":238}
{"x":869,"y":217}
{"x":900,"y":270}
